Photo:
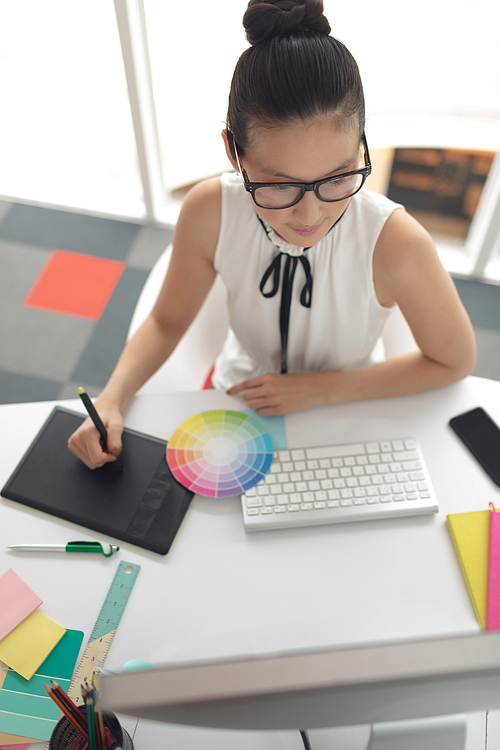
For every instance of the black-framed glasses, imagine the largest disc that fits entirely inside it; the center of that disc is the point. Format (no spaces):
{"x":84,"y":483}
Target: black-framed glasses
{"x":276,"y":195}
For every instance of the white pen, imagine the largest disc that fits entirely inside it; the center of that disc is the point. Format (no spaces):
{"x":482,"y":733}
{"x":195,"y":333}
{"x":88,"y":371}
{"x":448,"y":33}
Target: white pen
{"x":69,"y":547}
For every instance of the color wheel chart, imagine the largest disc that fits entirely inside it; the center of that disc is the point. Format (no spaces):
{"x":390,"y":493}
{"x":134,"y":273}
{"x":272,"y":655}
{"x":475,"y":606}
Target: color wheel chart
{"x":220,"y":453}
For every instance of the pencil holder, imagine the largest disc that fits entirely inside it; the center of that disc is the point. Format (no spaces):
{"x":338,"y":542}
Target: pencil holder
{"x":65,"y":735}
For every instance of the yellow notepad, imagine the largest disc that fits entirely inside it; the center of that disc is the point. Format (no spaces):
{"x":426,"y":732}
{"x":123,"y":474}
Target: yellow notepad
{"x":470,"y":534}
{"x":28,"y":645}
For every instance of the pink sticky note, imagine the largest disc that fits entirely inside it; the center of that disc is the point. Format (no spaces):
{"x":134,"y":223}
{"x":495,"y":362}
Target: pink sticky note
{"x":493,"y":596}
{"x":17,"y":602}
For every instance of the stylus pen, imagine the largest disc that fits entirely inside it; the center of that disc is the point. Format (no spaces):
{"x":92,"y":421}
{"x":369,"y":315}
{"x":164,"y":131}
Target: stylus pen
{"x":69,"y":547}
{"x":96,"y":419}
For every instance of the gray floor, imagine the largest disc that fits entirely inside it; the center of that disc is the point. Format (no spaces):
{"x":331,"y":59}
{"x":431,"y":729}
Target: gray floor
{"x":46,"y":355}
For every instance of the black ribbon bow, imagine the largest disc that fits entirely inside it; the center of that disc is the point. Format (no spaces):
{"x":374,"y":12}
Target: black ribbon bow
{"x":274,"y":271}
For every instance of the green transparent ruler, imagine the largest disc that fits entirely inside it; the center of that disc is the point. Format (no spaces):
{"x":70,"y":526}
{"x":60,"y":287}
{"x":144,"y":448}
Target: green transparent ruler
{"x":105,"y":628}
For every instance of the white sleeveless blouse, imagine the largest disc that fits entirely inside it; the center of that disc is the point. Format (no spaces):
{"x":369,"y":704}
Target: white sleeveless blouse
{"x":342,"y":327}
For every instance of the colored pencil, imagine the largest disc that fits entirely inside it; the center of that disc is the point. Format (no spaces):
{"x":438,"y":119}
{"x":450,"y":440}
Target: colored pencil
{"x":68,"y":708}
{"x":99,"y":725}
{"x":89,"y":701}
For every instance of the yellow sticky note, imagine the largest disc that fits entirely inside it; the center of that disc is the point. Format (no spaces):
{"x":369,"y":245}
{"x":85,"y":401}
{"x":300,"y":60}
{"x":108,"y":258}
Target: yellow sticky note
{"x":28,"y":645}
{"x":3,"y":673}
{"x":470,"y":534}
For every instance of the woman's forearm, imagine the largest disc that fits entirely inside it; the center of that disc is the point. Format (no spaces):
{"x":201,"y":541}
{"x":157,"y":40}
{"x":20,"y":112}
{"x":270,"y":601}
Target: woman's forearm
{"x":142,"y":356}
{"x":274,"y":394}
{"x":398,"y":376}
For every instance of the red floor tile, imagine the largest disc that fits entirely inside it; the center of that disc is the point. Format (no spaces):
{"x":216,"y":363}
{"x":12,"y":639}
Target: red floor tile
{"x":75,"y":284}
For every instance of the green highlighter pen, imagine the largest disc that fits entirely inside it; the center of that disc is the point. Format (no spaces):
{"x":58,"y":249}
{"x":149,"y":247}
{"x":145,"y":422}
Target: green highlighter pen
{"x":69,"y":547}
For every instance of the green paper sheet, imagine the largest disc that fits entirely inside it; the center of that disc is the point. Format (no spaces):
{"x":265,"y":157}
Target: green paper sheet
{"x":25,"y":708}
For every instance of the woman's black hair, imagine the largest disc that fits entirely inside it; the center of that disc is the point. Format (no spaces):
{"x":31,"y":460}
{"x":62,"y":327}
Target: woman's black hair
{"x":293,"y":71}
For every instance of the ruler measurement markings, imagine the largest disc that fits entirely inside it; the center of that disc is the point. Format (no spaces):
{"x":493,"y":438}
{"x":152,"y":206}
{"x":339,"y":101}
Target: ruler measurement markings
{"x":105,"y":627}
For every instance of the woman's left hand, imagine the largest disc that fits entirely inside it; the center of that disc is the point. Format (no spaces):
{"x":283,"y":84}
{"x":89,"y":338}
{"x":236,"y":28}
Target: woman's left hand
{"x":273,"y":394}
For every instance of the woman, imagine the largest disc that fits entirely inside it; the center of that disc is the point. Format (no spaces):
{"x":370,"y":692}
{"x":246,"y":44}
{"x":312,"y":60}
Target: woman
{"x":312,"y":261}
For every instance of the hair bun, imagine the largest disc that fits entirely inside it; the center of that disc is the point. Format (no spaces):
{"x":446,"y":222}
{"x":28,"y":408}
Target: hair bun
{"x":266,"y":19}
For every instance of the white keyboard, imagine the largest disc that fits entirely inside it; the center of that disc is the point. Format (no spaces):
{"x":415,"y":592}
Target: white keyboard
{"x":339,"y":483}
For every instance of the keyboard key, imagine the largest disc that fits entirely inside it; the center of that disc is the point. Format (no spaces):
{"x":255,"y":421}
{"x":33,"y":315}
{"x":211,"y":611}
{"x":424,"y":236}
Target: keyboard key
{"x":254,"y":502}
{"x":417,"y":476}
{"x":405,"y":456}
{"x":298,"y":454}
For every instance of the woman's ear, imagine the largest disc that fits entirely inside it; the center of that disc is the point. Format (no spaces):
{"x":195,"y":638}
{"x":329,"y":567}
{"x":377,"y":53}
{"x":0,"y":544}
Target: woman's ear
{"x":225,"y":138}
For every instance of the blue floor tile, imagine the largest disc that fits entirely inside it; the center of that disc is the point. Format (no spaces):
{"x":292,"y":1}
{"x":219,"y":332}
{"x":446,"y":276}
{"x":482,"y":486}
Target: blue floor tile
{"x":108,"y":338}
{"x":482,"y":301}
{"x":17,"y":388}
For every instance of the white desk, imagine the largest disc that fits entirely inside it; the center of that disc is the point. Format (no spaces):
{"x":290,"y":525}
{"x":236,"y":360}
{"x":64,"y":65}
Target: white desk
{"x":221,"y":591}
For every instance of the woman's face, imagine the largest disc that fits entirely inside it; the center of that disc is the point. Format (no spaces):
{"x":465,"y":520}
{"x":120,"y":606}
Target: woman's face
{"x":302,"y":152}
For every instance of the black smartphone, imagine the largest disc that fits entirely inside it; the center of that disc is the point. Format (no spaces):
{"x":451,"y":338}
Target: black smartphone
{"x":481,"y":435}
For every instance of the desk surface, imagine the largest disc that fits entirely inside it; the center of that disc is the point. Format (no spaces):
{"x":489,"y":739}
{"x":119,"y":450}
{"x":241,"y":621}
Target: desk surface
{"x":221,"y":591}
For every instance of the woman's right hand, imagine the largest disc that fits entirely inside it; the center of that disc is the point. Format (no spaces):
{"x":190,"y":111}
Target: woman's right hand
{"x":85,"y":441}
